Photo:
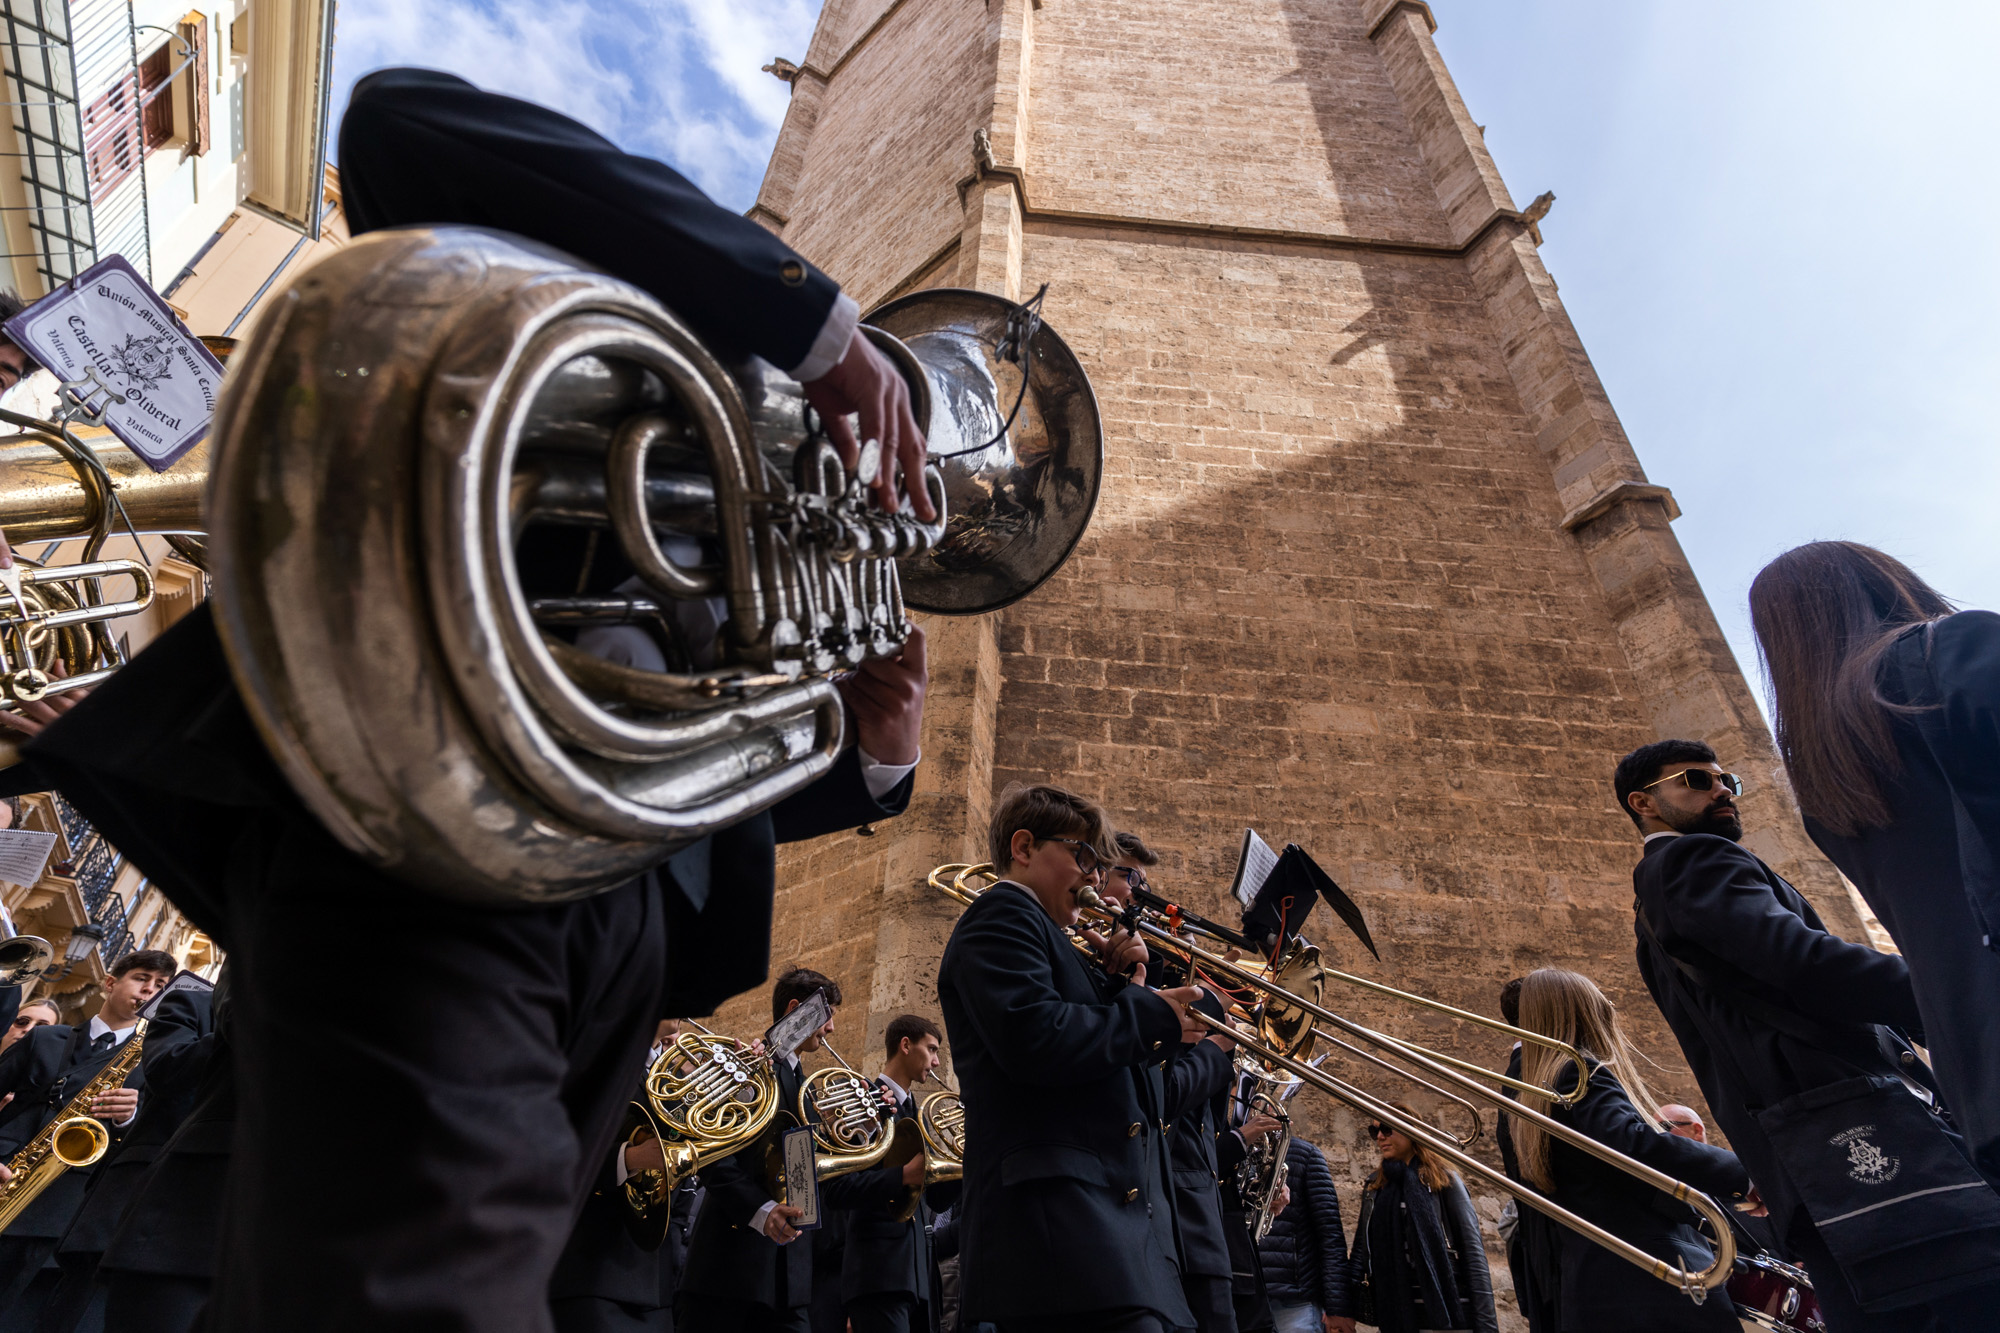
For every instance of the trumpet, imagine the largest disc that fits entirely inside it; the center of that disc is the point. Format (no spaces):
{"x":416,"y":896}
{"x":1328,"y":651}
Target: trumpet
{"x":952,"y":880}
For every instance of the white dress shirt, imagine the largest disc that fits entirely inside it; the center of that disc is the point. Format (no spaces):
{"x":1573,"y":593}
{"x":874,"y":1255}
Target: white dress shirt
{"x":98,"y":1027}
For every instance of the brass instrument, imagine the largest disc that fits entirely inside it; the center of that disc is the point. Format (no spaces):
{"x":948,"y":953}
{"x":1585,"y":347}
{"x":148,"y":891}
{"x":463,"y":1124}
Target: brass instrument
{"x":1262,"y":1172}
{"x":853,"y":1128}
{"x":407,"y":411}
{"x":51,"y":616}
{"x":73,"y":1137}
{"x":706,"y":1099}
{"x":941,"y":1123}
{"x":24,"y":958}
{"x":952,"y":879}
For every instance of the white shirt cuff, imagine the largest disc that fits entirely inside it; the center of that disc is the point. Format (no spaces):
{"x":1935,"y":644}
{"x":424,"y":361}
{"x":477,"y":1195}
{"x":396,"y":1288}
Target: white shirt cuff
{"x":831,"y":345}
{"x":881,"y":778}
{"x":762,"y":1215}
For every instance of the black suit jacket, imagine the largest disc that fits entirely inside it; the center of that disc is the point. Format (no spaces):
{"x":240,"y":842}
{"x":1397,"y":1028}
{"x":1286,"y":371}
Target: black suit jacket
{"x":419,"y":147}
{"x":1714,"y":906}
{"x":172,"y":1224}
{"x":1196,"y":1078}
{"x":1063,"y":1130}
{"x":44,"y":1070}
{"x":726,"y":1258}
{"x":602,"y":1259}
{"x":173,"y":1061}
{"x":1599,"y":1289}
{"x":1932,"y":874}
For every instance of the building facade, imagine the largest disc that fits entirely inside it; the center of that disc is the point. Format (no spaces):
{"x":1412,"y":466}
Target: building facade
{"x":1375,"y":568}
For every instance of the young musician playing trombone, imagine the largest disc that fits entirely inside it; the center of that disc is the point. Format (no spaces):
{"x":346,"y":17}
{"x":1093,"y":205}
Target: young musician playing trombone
{"x":1067,"y":1218}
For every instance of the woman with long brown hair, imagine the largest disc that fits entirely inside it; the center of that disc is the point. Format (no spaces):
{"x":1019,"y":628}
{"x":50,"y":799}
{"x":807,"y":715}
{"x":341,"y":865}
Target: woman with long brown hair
{"x":1597,"y":1289}
{"x":1887,"y":713}
{"x":1418,"y":1261}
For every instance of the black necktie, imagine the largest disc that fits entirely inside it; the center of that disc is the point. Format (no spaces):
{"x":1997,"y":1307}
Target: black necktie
{"x":105,"y":1041}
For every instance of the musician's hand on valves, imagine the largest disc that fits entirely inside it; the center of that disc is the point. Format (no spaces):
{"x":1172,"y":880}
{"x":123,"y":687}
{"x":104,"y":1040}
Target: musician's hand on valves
{"x":1258,"y":1128}
{"x":866,"y":383}
{"x":116,"y":1106}
{"x":886,"y":697}
{"x":778,"y":1223}
{"x":913,"y":1171}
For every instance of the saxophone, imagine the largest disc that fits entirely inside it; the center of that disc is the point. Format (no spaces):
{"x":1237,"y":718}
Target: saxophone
{"x":71,"y":1138}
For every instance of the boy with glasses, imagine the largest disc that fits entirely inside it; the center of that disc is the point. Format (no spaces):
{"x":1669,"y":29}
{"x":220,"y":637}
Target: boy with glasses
{"x":1067,"y":1217}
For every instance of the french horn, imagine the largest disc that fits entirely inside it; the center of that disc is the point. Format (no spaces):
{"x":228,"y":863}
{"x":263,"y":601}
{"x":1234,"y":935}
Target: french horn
{"x":416,"y":423}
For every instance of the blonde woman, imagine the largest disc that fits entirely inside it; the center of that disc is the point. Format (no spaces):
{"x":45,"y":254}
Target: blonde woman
{"x":1418,"y":1260}
{"x":1599,"y":1290}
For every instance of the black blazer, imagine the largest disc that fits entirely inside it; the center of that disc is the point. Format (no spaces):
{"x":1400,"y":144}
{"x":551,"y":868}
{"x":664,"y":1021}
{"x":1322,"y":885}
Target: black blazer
{"x":725,"y":1257}
{"x":174,"y":1061}
{"x":1196,"y":1079}
{"x":1598,"y":1289}
{"x":1064,"y":1135}
{"x":44,"y":1070}
{"x":419,"y":147}
{"x":1304,"y":1255}
{"x":173,"y":1224}
{"x":1932,"y":874}
{"x":601,"y":1258}
{"x":1717,"y":908}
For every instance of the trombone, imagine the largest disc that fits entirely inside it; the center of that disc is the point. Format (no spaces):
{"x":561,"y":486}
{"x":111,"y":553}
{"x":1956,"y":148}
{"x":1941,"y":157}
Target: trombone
{"x":952,"y":880}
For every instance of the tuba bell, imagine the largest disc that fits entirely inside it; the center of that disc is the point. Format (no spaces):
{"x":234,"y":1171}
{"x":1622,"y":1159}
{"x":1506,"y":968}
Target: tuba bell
{"x":443,"y":455}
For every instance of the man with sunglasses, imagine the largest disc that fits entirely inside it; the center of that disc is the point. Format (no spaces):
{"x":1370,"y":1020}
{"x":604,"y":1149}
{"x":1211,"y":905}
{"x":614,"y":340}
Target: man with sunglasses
{"x":1768,"y":1006}
{"x":1066,"y":1221}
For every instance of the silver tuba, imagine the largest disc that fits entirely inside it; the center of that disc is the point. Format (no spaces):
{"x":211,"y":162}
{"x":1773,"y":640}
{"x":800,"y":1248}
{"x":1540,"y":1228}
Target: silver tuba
{"x":431,"y":442}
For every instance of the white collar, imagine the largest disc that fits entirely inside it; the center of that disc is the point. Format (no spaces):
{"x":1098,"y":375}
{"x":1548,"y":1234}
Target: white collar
{"x":98,"y":1027}
{"x":1663,"y":833}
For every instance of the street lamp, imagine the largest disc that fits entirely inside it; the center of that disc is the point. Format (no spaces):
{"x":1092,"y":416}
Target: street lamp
{"x":81,"y":941}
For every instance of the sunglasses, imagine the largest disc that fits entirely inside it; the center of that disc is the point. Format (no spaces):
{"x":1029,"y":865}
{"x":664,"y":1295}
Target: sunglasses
{"x":1671,"y":1125}
{"x":1378,"y":1130}
{"x":1700,"y":779}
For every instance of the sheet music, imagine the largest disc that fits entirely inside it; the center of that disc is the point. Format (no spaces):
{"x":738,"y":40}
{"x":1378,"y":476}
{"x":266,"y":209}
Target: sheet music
{"x":790,"y":1032}
{"x":802,"y":1176}
{"x":24,"y":854}
{"x":1253,"y":866}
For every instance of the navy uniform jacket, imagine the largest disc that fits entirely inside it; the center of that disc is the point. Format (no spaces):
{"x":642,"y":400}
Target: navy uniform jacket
{"x":1598,"y":1289}
{"x":173,"y":1061}
{"x":1719,"y":909}
{"x":726,"y":1259}
{"x":1063,"y":1127}
{"x":1933,"y":873}
{"x":44,"y":1070}
{"x":1196,"y":1080}
{"x":173,"y":1224}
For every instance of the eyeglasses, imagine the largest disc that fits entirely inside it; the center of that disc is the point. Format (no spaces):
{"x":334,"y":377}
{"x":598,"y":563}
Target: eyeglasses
{"x":1671,"y":1125}
{"x":1378,"y":1130}
{"x":1700,"y":779}
{"x":1134,"y":876}
{"x":1087,"y":859}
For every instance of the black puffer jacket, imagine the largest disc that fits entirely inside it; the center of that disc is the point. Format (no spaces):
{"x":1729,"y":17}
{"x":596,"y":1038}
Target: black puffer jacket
{"x":1305,"y":1252}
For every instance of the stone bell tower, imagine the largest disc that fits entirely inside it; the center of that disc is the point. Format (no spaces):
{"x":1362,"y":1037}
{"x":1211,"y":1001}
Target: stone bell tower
{"x":1375,"y":568}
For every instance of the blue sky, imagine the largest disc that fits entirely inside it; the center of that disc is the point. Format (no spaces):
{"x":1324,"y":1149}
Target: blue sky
{"x":1772,"y":225}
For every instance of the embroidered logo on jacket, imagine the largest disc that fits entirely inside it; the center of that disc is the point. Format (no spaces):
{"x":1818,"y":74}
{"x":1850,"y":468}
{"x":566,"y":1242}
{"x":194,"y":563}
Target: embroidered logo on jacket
{"x":1866,"y":1162}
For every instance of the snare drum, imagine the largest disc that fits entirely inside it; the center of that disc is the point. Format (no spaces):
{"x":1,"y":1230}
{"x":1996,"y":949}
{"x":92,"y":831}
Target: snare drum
{"x":1775,"y":1295}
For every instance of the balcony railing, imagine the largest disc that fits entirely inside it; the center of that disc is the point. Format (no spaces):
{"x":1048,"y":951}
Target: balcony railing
{"x":109,"y":914}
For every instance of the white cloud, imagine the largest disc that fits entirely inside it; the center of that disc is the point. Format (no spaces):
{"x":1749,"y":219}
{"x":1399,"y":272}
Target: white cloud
{"x":680,"y":80}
